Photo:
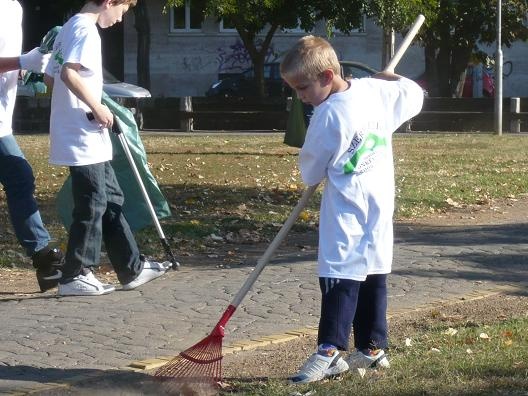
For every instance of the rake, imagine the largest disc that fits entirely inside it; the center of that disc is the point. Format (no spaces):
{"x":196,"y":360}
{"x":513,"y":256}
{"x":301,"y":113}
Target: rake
{"x":203,"y":361}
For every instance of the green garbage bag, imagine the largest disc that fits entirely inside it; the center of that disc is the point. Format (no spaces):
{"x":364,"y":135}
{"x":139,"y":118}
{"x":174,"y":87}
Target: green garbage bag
{"x":135,"y":208}
{"x":296,"y":124}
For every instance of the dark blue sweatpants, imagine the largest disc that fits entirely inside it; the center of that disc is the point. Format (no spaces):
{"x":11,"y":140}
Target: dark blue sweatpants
{"x":348,"y":303}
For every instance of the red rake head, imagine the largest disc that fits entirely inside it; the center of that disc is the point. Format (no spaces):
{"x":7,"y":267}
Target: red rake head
{"x":203,"y":361}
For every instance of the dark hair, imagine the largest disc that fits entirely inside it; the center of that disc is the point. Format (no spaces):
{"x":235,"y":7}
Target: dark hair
{"x":131,"y":3}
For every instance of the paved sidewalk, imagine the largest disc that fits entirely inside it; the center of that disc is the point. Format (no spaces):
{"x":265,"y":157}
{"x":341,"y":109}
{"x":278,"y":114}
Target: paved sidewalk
{"x":46,"y":339}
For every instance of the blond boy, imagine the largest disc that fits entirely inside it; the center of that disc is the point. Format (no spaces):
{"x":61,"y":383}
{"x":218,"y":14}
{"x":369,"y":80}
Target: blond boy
{"x":348,"y":144}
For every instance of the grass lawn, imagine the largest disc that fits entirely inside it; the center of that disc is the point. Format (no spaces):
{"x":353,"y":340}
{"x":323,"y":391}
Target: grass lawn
{"x":473,"y":359}
{"x":243,"y":187}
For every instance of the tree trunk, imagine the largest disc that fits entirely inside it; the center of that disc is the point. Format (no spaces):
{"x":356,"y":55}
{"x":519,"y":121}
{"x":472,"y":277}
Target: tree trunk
{"x":258,"y":56}
{"x":431,"y":71}
{"x":388,"y":47}
{"x":142,"y":25}
{"x":443,"y":61}
{"x":459,"y":61}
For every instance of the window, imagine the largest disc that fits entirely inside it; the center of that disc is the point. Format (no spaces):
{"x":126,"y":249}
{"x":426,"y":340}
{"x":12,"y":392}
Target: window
{"x":186,"y":18}
{"x":227,"y":25}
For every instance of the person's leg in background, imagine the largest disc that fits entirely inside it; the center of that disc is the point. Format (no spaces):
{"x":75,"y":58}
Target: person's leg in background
{"x":132,"y":269}
{"x":120,"y":243}
{"x":16,"y":176}
{"x":85,"y":234}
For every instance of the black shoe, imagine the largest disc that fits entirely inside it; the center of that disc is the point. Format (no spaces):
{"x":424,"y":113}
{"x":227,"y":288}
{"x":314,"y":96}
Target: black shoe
{"x":49,"y":264}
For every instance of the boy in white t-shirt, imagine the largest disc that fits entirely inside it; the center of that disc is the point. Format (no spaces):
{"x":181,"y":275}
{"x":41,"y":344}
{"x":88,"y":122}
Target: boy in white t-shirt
{"x":349,"y":143}
{"x":75,"y":70}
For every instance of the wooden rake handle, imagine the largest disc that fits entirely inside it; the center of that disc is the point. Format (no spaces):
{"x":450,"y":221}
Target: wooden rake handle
{"x":270,"y":251}
{"x":418,"y":22}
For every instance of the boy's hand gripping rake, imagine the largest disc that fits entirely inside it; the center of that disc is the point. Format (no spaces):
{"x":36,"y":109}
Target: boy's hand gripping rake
{"x":203,"y":361}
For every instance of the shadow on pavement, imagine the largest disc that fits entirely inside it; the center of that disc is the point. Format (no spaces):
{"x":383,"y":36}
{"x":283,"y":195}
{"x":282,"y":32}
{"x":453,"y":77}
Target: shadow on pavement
{"x":416,"y":234}
{"x":495,"y":253}
{"x":54,"y":381}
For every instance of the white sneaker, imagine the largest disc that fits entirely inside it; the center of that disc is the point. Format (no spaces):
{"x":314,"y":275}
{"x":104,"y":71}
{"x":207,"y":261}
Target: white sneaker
{"x":151,"y":270}
{"x":90,"y":275}
{"x":84,"y":285}
{"x":318,"y":367}
{"x":377,"y":358}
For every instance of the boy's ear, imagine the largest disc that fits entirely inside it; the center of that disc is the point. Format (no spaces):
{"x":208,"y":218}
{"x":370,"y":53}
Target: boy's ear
{"x":327,"y":76}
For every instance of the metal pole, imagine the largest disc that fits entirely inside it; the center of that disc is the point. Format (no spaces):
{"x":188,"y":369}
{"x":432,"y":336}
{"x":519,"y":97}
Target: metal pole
{"x":498,"y":73}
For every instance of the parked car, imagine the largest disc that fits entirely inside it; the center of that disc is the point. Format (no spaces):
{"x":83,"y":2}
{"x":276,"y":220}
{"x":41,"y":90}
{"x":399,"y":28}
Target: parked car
{"x":351,"y":69}
{"x":122,"y":92}
{"x":243,"y":84}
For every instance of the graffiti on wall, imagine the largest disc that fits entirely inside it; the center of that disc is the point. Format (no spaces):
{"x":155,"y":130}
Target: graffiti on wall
{"x":194,"y":63}
{"x":235,"y":57}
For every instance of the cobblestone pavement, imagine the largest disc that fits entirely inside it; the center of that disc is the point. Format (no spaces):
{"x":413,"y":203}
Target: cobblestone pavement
{"x":46,"y":339}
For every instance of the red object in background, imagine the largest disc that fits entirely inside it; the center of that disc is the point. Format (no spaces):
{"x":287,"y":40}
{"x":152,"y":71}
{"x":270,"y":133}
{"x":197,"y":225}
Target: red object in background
{"x":488,"y":83}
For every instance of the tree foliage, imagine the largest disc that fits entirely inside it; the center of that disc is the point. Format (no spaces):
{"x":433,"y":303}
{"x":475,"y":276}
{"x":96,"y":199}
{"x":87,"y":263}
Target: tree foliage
{"x":454,"y":32}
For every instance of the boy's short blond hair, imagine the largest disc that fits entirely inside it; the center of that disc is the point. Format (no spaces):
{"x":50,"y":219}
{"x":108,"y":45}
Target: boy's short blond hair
{"x":308,"y":58}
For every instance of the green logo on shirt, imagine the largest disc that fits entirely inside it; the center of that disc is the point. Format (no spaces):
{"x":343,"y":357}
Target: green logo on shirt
{"x":370,"y":144}
{"x":58,"y":57}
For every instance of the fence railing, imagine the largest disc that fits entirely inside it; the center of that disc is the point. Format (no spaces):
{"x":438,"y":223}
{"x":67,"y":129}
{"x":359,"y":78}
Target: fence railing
{"x":270,"y":114}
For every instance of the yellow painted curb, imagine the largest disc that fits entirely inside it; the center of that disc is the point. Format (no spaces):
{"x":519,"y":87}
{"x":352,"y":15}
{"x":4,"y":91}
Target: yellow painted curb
{"x":290,"y":335}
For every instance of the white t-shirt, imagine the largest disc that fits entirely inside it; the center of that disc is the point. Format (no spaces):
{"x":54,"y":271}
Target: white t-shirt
{"x":75,"y":140}
{"x":10,"y":45}
{"x":349,"y":142}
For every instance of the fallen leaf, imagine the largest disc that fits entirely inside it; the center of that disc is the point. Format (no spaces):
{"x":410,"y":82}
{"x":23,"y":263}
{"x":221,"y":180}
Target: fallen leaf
{"x":450,"y":202}
{"x":304,"y":216}
{"x":451,"y":331}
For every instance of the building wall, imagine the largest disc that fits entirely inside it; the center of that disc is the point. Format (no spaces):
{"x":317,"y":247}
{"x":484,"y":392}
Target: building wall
{"x":186,"y":64}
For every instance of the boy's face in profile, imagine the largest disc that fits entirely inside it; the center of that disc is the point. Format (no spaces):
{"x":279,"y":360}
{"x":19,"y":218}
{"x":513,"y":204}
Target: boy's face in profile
{"x":312,"y":92}
{"x":111,"y":14}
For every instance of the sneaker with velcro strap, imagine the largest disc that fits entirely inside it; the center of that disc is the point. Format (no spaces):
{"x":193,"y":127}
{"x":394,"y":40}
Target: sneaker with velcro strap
{"x":49,"y":264}
{"x":375,"y":359}
{"x":319,"y":367}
